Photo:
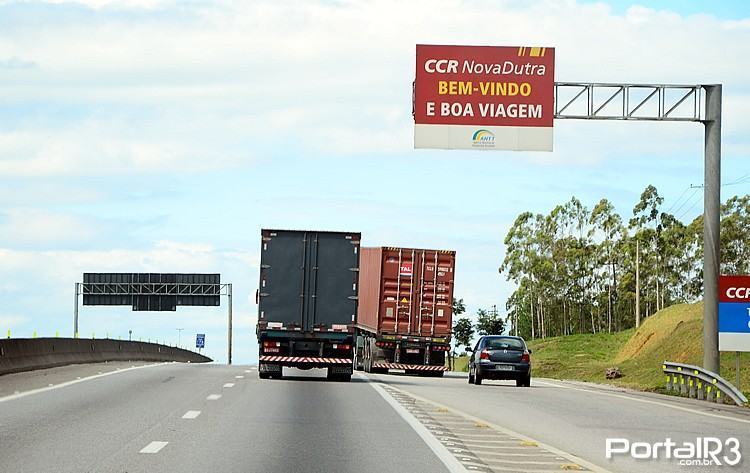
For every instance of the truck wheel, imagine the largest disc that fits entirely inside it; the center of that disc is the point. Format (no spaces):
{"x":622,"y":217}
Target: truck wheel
{"x":264,"y":375}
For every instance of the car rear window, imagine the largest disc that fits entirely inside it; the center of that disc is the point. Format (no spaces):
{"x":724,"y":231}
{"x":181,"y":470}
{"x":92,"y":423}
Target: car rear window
{"x":503,"y":343}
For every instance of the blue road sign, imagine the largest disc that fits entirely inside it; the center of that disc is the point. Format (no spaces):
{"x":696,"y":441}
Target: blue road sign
{"x":734,"y":313}
{"x":200,"y":340}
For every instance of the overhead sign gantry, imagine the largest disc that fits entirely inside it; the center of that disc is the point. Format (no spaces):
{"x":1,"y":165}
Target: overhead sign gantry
{"x":154,"y":292}
{"x":464,"y":129}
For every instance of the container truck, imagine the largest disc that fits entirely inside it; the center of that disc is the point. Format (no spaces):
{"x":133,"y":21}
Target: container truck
{"x":307,"y":301}
{"x":404,"y":318}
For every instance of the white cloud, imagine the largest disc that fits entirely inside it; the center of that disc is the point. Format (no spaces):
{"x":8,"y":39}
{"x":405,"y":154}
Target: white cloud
{"x":31,"y":226}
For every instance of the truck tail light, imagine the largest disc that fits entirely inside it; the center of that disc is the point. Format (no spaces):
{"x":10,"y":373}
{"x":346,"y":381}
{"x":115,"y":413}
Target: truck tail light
{"x":526,"y":357}
{"x":341,"y":346}
{"x":267,"y":343}
{"x":484,"y":355}
{"x":385,"y":344}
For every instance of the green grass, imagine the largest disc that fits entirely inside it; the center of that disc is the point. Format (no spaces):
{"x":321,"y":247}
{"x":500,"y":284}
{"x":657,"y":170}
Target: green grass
{"x":674,"y":334}
{"x":461,"y":363}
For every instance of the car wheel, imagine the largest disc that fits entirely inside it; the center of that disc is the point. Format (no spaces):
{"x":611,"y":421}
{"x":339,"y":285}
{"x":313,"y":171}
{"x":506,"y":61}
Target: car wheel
{"x":471,"y":377}
{"x":477,"y":379}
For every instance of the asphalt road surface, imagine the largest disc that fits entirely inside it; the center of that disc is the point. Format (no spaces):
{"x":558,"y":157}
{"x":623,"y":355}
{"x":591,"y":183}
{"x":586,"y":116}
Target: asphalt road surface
{"x":184,"y":418}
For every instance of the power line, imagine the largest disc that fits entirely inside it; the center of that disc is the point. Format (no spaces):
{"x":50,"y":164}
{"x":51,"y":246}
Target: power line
{"x":689,"y":209}
{"x":695,"y":191}
{"x":678,"y":199}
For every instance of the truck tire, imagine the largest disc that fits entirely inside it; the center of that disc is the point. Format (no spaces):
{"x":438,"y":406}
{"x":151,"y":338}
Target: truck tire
{"x":264,"y":375}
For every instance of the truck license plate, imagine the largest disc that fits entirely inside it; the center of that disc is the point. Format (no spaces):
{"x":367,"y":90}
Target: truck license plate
{"x":412,"y":350}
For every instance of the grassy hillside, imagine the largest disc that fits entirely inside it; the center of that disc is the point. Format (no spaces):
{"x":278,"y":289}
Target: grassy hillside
{"x":674,"y":334}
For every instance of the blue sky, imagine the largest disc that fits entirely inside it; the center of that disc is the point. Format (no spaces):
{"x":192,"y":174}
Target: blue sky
{"x":155,"y":136}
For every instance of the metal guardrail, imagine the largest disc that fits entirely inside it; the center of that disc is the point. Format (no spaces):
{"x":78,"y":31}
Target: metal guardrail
{"x":695,"y":382}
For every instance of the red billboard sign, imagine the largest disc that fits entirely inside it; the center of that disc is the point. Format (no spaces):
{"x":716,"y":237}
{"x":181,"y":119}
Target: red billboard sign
{"x":484,"y":97}
{"x":734,"y":289}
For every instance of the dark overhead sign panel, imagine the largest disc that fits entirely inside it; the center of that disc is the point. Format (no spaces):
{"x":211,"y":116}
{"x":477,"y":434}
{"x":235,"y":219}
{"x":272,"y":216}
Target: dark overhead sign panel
{"x":151,"y":291}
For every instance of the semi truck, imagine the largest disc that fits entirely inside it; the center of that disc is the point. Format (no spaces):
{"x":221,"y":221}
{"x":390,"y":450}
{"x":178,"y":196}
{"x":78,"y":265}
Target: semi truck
{"x":404,"y":317}
{"x":307,"y":301}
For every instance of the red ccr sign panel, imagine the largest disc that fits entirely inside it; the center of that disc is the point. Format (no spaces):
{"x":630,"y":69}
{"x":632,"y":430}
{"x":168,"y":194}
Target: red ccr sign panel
{"x":484,"y":97}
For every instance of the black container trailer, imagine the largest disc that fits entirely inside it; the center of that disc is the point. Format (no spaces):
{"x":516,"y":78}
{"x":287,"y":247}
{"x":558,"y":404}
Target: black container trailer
{"x":307,"y":301}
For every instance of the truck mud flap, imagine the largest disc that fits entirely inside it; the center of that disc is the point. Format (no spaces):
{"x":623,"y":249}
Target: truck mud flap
{"x":402,"y":366}
{"x":306,"y":361}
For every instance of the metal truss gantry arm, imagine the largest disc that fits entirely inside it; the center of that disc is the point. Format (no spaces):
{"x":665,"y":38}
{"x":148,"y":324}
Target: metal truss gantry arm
{"x":650,"y":102}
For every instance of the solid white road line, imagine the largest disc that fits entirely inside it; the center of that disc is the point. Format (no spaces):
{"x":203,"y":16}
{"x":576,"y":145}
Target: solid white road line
{"x":213,"y":397}
{"x":229,"y":385}
{"x":646,"y":401}
{"x":191,"y":414}
{"x":450,"y":462}
{"x":543,"y":446}
{"x":153,"y":447}
{"x":75,"y":381}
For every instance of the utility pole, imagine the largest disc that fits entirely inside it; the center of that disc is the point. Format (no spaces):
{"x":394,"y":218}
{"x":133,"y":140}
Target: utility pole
{"x":637,"y":282}
{"x":179,"y":336}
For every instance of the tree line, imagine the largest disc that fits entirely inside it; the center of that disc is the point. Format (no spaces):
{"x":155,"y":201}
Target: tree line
{"x":588,"y":270}
{"x":489,"y":322}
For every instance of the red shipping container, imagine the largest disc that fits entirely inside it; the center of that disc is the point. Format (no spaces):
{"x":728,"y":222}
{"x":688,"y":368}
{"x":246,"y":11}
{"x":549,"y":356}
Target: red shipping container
{"x":405,"y":291}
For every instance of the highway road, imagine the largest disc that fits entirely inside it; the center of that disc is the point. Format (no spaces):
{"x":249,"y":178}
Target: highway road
{"x":184,"y":418}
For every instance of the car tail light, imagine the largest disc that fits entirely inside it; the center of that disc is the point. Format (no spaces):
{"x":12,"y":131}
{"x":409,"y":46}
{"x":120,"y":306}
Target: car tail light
{"x":525,"y":357}
{"x":484,"y":355}
{"x":341,"y":346}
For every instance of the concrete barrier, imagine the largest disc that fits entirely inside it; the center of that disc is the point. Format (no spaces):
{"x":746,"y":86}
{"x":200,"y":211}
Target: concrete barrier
{"x":26,"y":354}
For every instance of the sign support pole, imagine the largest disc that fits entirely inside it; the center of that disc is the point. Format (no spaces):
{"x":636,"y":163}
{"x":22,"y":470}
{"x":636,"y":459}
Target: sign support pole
{"x":711,"y":228}
{"x":737,"y":369}
{"x":75,"y":312}
{"x":229,"y":313}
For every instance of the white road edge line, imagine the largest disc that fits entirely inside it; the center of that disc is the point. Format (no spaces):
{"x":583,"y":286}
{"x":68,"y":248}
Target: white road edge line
{"x":154,"y":447}
{"x":229,"y":385}
{"x":568,"y":456}
{"x":191,"y":414}
{"x":75,"y":381}
{"x":647,"y":401}
{"x":213,"y":397}
{"x":450,"y":462}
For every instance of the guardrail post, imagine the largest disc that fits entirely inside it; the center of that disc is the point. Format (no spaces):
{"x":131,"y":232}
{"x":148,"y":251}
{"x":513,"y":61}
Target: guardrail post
{"x":691,"y":384}
{"x":701,"y":391}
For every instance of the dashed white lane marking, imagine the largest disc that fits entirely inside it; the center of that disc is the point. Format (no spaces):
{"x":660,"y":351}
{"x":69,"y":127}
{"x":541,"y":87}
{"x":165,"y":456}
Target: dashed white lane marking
{"x":154,"y":447}
{"x":239,"y":376}
{"x":75,"y":381}
{"x":213,"y":397}
{"x":453,"y":465}
{"x":647,"y":401}
{"x":248,"y":371}
{"x":229,"y":385}
{"x":191,"y":414}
